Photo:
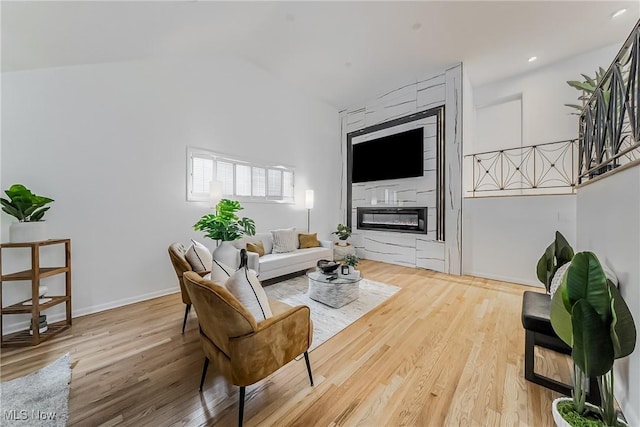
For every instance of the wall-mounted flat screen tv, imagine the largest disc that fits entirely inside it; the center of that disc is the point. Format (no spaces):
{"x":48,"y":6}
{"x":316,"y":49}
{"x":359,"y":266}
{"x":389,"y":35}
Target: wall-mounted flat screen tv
{"x":400,"y":155}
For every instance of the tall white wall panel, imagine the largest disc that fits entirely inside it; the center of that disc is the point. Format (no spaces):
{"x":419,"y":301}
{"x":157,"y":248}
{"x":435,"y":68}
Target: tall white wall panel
{"x":413,"y":249}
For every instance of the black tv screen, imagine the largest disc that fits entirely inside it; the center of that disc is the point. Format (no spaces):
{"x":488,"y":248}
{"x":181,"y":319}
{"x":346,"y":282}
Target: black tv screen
{"x":395,"y":156}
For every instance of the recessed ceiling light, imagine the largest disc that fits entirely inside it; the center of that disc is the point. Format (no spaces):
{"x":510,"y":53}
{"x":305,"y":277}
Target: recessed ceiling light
{"x":416,"y":26}
{"x":618,"y":13}
{"x":533,"y":58}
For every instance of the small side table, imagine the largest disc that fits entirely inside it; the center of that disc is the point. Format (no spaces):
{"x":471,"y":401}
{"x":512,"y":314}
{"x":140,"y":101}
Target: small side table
{"x":337,"y":292}
{"x":340,"y":252}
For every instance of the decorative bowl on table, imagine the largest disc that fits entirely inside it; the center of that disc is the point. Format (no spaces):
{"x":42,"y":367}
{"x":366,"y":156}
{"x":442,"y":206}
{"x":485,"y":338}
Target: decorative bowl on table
{"x":328,"y":267}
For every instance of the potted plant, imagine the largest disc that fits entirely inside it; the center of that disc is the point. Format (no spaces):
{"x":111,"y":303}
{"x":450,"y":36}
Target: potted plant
{"x":29,"y":209}
{"x":351,"y":261}
{"x":224,"y":225}
{"x":557,"y":254}
{"x":343,"y":232}
{"x":589,"y":314}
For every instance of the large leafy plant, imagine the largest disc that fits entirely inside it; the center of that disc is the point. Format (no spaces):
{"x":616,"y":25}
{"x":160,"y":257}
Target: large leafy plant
{"x":555,"y":256}
{"x":224,"y":224}
{"x":24,"y":205}
{"x":589,"y":314}
{"x":587,"y":87}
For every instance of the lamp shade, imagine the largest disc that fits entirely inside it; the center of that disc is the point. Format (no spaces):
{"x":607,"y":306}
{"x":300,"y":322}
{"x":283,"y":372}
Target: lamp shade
{"x":215,"y":191}
{"x":308,"y":199}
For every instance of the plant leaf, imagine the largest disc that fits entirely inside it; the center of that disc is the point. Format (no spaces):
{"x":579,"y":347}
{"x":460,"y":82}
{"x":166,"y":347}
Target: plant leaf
{"x":581,"y":86}
{"x":589,"y":80}
{"x":586,"y":280}
{"x":560,"y":317}
{"x":592,"y":348}
{"x":623,"y":329}
{"x":576,"y":106}
{"x":37,"y":215}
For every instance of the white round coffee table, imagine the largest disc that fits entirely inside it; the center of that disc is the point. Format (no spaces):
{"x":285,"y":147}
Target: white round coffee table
{"x":333,"y":290}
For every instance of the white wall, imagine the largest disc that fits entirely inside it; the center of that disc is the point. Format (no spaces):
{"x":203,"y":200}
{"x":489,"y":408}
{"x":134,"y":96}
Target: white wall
{"x":505,"y":236}
{"x":544,"y":92}
{"x":608,"y":212}
{"x":531,"y":221}
{"x":108,"y":143}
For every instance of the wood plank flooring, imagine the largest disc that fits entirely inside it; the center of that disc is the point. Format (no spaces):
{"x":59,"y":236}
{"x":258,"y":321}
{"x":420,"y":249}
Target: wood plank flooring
{"x":443,"y":351}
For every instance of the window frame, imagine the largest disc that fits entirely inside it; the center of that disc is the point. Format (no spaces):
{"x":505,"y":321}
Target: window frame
{"x":235,"y":160}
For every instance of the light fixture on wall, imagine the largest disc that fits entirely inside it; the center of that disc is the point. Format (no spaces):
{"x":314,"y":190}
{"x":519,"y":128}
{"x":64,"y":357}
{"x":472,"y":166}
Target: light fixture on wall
{"x":215,"y":192}
{"x":618,"y":13}
{"x":308,"y":204}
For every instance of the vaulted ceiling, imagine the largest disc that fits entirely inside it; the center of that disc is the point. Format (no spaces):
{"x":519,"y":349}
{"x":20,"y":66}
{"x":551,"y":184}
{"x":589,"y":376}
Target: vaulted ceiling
{"x":340,"y":52}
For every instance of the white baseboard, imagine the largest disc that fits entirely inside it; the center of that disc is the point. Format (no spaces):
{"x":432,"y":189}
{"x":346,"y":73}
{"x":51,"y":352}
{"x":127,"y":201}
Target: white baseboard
{"x":19,"y":326}
{"x":516,"y":280}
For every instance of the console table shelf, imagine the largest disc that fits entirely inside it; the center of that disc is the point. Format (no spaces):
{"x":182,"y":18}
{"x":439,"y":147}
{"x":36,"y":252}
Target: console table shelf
{"x":24,"y":339}
{"x":34,"y":275}
{"x":20,"y":308}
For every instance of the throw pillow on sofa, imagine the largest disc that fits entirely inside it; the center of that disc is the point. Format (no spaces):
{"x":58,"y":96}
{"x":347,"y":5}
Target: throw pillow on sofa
{"x":199,"y":257}
{"x":308,"y":240}
{"x":285,"y":240}
{"x":257,"y":247}
{"x":246,"y":287}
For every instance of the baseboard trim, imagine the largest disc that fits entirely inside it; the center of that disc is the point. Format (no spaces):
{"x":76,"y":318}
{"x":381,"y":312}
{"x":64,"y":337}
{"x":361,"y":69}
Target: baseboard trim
{"x":516,"y":280}
{"x":19,"y":326}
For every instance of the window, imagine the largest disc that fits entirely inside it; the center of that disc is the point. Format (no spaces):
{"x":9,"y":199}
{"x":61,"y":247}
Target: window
{"x":239,"y":179}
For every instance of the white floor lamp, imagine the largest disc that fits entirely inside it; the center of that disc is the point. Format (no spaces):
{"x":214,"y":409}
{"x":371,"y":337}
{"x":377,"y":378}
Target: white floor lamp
{"x":308,"y":204}
{"x":215,"y":194}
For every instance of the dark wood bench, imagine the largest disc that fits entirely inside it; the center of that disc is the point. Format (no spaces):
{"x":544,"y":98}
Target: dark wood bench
{"x":539,"y":332}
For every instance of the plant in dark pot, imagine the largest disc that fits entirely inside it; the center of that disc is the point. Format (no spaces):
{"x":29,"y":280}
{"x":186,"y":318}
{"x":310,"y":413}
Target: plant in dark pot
{"x":589,"y":314}
{"x":343,"y":232}
{"x":28,"y":208}
{"x":226,"y":226}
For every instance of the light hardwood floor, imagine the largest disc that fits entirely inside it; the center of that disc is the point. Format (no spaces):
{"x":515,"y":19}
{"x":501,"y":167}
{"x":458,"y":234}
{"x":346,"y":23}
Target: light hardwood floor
{"x":444,"y":351}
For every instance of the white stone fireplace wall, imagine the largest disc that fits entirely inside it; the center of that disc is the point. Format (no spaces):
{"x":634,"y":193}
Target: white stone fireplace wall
{"x":413,"y":250}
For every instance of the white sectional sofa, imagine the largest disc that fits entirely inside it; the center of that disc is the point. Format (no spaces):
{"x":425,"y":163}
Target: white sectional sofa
{"x":272,"y":265}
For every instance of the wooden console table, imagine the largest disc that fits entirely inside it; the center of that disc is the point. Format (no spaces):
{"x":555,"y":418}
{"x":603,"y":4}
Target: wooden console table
{"x":34,"y":275}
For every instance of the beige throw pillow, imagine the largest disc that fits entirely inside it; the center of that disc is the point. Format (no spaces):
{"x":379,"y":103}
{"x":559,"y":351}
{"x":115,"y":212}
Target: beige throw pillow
{"x":246,"y":287}
{"x":220,"y":273}
{"x":308,"y":240}
{"x":199,"y":257}
{"x":285,"y":240}
{"x":256,"y":247}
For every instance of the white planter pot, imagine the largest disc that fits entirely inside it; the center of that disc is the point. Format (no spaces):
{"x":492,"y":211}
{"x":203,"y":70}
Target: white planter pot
{"x":560,"y":422}
{"x":227,"y":254}
{"x":26,"y":232}
{"x":342,"y":243}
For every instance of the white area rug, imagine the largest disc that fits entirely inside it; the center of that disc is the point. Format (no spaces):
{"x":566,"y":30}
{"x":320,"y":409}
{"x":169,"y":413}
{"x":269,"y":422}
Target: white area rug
{"x":38,"y":399}
{"x":328,"y":321}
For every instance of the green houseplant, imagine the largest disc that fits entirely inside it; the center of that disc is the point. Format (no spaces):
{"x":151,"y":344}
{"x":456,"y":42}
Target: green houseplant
{"x":589,"y":314}
{"x":24,"y":205}
{"x":587,"y":87}
{"x":351,"y":260}
{"x":28,"y":208}
{"x":224,"y":224}
{"x":343,"y":232}
{"x":558,"y":253}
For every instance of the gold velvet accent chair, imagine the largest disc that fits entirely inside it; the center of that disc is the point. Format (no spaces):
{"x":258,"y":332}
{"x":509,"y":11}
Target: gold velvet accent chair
{"x":241,"y":349}
{"x":180,"y":264}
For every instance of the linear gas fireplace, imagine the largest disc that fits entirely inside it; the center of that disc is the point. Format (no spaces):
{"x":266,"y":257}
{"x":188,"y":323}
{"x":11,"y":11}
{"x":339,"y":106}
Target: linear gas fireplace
{"x":402,"y":220}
